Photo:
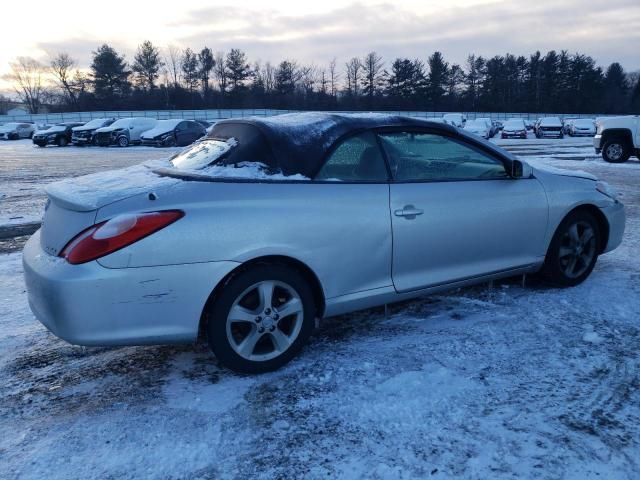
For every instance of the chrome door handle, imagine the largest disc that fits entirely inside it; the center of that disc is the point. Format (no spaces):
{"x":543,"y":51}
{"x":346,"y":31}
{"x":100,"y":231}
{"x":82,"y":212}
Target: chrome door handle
{"x":409,"y":212}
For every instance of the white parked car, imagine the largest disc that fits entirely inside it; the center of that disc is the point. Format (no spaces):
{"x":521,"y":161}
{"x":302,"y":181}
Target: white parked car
{"x":585,"y":127}
{"x":455,"y":119}
{"x":124,"y":132}
{"x":478,"y":127}
{"x":493,"y":128}
{"x":16,"y":130}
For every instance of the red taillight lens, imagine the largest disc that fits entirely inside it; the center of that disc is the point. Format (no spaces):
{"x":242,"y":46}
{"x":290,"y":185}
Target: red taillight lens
{"x":107,"y":237}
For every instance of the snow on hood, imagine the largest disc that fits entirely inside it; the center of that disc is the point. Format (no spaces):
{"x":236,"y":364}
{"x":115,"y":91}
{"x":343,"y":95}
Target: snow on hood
{"x":8,"y":128}
{"x":54,"y":129}
{"x":163,"y":126}
{"x":565,"y":173}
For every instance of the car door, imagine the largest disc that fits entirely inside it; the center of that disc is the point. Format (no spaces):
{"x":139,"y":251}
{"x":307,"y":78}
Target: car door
{"x":456,"y":213}
{"x":182,"y":134}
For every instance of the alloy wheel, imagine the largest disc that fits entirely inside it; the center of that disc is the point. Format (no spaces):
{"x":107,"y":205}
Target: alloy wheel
{"x":264,"y":320}
{"x":577,"y":249}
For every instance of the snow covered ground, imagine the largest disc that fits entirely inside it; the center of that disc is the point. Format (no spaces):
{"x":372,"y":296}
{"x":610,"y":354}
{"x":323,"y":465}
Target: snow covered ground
{"x":501,"y":382}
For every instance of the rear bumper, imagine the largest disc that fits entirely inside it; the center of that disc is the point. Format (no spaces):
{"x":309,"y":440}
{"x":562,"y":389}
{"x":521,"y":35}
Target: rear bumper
{"x":616,"y":218}
{"x":92,"y":305}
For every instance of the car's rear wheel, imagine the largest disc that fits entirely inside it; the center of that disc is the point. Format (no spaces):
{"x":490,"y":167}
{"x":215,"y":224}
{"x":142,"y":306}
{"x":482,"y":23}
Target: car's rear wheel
{"x":573,"y":251}
{"x":261,"y":319}
{"x":615,"y":151}
{"x":123,"y":141}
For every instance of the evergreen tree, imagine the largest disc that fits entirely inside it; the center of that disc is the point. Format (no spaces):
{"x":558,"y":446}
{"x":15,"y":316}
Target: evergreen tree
{"x":110,"y":76}
{"x":616,"y":89}
{"x":207,"y":62}
{"x":190,"y":70}
{"x":146,"y":65}
{"x":437,"y":80}
{"x":238,"y":68}
{"x":635,"y":98}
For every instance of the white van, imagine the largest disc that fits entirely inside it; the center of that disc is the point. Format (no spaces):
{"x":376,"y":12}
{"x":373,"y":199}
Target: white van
{"x":124,"y":131}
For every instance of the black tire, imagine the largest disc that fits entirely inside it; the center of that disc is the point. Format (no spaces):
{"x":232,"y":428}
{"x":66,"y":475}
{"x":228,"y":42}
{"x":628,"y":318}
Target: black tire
{"x":62,"y":142}
{"x":616,"y":150}
{"x":40,"y":145}
{"x":123,"y":141}
{"x":217,"y":312}
{"x":561,"y":135}
{"x":557,"y":261}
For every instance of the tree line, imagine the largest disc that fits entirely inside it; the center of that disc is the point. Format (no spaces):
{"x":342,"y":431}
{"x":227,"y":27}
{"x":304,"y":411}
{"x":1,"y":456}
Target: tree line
{"x":186,"y":79}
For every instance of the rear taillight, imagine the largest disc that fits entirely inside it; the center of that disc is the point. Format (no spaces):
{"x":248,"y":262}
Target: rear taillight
{"x":120,"y":231}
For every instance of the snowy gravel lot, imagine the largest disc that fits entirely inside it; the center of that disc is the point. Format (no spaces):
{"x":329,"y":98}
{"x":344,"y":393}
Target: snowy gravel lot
{"x":482,"y":383}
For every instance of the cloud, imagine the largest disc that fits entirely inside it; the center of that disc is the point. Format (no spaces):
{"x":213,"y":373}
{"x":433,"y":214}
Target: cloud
{"x":610,"y":34}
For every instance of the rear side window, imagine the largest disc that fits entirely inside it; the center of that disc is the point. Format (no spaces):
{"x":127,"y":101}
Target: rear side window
{"x":416,"y":156}
{"x":356,"y":159}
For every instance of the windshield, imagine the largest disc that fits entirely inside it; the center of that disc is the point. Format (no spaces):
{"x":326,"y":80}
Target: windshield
{"x":474,"y":124}
{"x":167,"y":124}
{"x":122,"y":123}
{"x":551,"y":121}
{"x":203,"y":153}
{"x":514,"y":125}
{"x":95,"y":123}
{"x":10,"y":125}
{"x":56,"y":128}
{"x":583,"y":123}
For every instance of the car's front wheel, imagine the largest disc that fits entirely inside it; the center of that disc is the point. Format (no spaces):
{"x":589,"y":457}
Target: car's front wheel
{"x":573,"y":251}
{"x":615,"y":151}
{"x":261,"y":319}
{"x":123,"y":141}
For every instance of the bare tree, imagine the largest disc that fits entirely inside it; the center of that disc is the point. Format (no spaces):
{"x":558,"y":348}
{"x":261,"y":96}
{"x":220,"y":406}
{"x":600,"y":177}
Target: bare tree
{"x":26,"y":77}
{"x":334,"y":77}
{"x":221,"y":72}
{"x":354,"y":68}
{"x":61,"y":67}
{"x":173,"y":62}
{"x":372,"y":74}
{"x":308,"y":77}
{"x":269,"y":77}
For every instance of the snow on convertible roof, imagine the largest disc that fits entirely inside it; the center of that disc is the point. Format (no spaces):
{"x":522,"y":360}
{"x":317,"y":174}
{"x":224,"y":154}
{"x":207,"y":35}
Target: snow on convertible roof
{"x":299,"y":141}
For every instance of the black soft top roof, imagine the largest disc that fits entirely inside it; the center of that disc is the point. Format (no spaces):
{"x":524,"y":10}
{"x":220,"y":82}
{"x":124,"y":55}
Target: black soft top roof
{"x":299,"y":141}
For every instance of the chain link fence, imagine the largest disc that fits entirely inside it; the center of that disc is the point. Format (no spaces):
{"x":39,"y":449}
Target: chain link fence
{"x":219,"y":114}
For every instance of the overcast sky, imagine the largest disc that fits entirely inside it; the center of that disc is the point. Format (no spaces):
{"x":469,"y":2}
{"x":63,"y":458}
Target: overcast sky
{"x":320,"y":30}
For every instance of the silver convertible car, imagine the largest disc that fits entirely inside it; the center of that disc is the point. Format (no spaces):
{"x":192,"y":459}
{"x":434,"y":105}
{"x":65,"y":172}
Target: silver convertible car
{"x":265,"y":225}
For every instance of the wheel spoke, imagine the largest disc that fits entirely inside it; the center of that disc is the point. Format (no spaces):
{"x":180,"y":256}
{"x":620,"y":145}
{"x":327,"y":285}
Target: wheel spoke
{"x":280,"y":341}
{"x":586,"y":258}
{"x":573,"y":233}
{"x":265,"y":289}
{"x":292,"y":307}
{"x":586,"y":237}
{"x":238,"y":313}
{"x":248,"y":345}
{"x":571,"y":265}
{"x":565,"y":252}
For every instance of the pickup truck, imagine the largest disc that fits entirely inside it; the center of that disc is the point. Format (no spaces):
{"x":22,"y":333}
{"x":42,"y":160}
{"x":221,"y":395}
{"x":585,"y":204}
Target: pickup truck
{"x":617,"y":138}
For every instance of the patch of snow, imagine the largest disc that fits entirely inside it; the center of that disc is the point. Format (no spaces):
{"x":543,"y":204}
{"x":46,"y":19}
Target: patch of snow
{"x":93,"y":191}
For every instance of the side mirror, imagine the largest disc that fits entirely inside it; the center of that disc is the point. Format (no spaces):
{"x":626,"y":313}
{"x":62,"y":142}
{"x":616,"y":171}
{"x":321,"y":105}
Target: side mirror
{"x":520,"y":169}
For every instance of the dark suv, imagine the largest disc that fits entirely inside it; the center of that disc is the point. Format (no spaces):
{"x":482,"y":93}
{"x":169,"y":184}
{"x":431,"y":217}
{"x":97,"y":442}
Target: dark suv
{"x":86,"y":134}
{"x":58,"y":134}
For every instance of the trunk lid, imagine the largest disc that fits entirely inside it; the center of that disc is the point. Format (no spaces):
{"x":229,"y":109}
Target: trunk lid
{"x":73,"y":202}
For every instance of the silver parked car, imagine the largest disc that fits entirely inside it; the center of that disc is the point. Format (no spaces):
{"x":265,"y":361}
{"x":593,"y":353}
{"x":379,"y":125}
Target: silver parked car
{"x":266,"y":224}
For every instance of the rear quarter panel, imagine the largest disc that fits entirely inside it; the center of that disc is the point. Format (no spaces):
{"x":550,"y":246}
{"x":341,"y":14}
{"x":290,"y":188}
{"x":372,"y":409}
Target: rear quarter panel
{"x":341,"y":231}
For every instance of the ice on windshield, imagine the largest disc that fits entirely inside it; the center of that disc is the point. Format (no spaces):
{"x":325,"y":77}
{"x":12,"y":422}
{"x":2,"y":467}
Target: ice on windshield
{"x":203,"y":153}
